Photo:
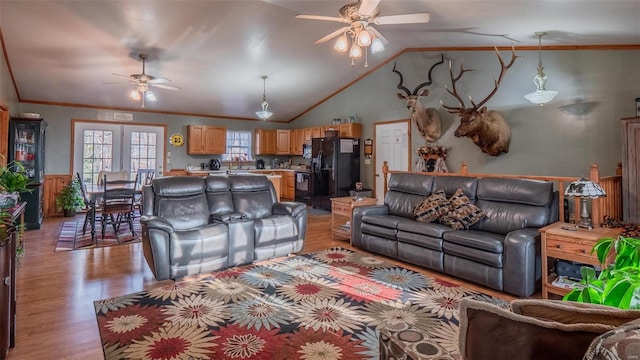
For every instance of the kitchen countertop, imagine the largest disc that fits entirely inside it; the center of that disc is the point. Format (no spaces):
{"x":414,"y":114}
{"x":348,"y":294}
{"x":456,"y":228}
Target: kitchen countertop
{"x":249,"y":170}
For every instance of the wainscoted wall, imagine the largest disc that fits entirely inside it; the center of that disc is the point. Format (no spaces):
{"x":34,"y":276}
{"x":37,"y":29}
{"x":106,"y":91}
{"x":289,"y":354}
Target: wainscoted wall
{"x":53,"y":184}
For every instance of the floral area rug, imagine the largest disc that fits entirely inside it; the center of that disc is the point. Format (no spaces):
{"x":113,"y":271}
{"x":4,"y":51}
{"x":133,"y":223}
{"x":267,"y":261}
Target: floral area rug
{"x":326,"y":305}
{"x":72,"y":238}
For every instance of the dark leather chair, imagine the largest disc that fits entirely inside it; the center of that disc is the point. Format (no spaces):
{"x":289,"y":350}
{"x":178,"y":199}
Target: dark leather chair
{"x":279,"y":227}
{"x":177,"y":238}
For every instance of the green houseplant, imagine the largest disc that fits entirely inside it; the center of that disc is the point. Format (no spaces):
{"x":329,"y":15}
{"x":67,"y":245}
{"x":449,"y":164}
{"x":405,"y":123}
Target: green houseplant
{"x":619,"y":283}
{"x":13,"y":181}
{"x":70,"y":198}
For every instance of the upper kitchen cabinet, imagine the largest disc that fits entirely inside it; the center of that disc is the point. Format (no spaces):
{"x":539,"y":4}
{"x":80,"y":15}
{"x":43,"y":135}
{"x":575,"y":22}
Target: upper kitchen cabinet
{"x":265,"y":142}
{"x":206,"y":140}
{"x":350,"y":130}
{"x":297,"y":140}
{"x":283,"y":142}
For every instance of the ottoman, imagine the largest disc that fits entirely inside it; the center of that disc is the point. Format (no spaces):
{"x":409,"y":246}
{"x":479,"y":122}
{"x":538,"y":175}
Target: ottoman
{"x":403,"y":342}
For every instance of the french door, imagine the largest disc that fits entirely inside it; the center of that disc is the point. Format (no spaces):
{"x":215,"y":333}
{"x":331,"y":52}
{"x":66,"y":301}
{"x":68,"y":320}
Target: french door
{"x":114,"y":147}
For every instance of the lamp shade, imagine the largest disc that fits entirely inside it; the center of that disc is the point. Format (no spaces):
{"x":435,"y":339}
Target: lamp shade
{"x":585,"y":188}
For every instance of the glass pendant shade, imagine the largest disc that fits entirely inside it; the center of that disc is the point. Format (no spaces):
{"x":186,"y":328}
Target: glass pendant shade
{"x":377,"y":46}
{"x":264,"y":114}
{"x":150,"y":96}
{"x":356,"y":51}
{"x":134,"y":95}
{"x":342,"y":45}
{"x":541,"y":96}
{"x":364,"y":38}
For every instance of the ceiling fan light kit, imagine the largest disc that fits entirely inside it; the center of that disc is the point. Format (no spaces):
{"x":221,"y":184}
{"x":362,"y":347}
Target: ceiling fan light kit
{"x":264,"y":114}
{"x":360,"y":16}
{"x":541,"y":96}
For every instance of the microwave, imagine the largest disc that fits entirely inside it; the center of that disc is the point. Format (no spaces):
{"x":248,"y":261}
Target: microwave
{"x":306,"y":151}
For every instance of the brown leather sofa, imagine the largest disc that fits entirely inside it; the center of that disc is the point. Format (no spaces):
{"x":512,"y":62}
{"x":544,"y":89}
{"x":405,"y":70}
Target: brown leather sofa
{"x":192,"y":225}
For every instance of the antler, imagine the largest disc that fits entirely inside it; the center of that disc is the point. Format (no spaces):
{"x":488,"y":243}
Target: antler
{"x":454,"y":92}
{"x":503,"y":70}
{"x":401,"y":81}
{"x":430,"y":81}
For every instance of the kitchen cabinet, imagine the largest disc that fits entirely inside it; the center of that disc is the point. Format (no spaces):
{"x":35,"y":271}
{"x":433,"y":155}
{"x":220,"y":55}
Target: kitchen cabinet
{"x":265,"y":142}
{"x":297,"y":140}
{"x":350,"y":130}
{"x":308,"y":135}
{"x":289,"y":185}
{"x":206,"y":140}
{"x":316,"y":132}
{"x":283,"y":142}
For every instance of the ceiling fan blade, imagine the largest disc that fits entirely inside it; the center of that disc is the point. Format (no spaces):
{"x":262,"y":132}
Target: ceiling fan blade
{"x":333,"y":34}
{"x":416,"y":18}
{"x":368,"y":7}
{"x":325,"y":18}
{"x":123,"y":76}
{"x":167,"y":87}
{"x":378,"y":35}
{"x":159,"y":81}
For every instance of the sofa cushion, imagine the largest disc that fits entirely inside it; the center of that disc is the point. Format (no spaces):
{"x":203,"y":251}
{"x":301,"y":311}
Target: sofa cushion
{"x":451,"y":184}
{"x":528,"y":337}
{"x":407,"y":190}
{"x":432,"y":208}
{"x":475,"y":239}
{"x":429,"y":229}
{"x":274,"y":229}
{"x":462,"y":213}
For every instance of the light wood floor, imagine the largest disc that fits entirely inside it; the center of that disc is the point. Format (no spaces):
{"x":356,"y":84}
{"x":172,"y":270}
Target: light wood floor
{"x":55,"y":291}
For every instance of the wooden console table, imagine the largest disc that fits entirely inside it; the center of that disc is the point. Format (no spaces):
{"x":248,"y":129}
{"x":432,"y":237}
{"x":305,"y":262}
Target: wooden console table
{"x":342,"y":212}
{"x":10,"y":234}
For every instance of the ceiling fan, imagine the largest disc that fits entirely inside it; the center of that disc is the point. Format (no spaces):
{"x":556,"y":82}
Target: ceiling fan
{"x":361,"y":16}
{"x":143,"y":83}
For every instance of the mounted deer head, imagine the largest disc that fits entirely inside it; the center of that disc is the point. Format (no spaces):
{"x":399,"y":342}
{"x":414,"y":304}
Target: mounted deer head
{"x":487,"y":129}
{"x":427,"y":120}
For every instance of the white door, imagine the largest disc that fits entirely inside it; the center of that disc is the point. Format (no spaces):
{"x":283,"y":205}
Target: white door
{"x":113,"y":147}
{"x":393,"y":145}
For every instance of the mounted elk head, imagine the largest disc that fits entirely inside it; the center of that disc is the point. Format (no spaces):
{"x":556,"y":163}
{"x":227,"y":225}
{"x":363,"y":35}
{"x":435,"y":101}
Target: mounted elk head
{"x":427,"y":120}
{"x":487,"y":129}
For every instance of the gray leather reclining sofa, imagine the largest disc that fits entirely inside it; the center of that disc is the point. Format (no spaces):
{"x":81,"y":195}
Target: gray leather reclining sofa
{"x":192,"y":225}
{"x":501,"y":251}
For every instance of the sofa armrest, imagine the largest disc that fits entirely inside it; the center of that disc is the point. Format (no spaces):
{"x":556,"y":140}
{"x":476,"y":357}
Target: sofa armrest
{"x":156,"y":233}
{"x":522,"y":267}
{"x":356,"y":220}
{"x":293,"y":208}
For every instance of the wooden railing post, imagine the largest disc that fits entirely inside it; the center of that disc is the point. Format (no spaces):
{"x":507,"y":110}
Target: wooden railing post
{"x":594,"y":176}
{"x":385,"y":174}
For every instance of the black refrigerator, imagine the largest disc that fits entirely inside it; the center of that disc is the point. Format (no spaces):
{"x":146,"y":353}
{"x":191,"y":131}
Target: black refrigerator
{"x":335,"y":168}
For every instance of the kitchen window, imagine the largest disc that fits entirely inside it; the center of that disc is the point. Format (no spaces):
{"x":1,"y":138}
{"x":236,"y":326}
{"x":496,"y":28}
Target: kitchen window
{"x":238,"y":146}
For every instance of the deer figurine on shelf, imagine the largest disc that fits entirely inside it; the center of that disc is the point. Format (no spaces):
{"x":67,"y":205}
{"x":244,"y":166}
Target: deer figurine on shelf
{"x":427,"y":120}
{"x":487,"y":129}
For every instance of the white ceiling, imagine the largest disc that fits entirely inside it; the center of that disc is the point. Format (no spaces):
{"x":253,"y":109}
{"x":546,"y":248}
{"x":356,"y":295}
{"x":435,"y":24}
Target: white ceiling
{"x":216,"y":51}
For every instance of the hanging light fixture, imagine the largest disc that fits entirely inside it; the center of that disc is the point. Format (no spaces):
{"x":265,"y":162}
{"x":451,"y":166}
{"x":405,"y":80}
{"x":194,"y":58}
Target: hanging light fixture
{"x":541,"y":96}
{"x":362,"y":38}
{"x":141,"y":93}
{"x":264,"y":114}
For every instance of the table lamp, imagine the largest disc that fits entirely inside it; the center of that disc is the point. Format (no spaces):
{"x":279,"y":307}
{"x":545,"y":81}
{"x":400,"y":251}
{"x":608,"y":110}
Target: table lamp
{"x":584,"y":189}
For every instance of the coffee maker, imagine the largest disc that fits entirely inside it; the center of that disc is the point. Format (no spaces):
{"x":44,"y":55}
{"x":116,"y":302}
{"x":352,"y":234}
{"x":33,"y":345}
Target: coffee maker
{"x":214,"y":164}
{"x":259,"y":164}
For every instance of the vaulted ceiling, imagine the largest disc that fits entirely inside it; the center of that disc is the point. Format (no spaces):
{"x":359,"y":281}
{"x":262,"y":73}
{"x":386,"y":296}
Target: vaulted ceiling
{"x":66,"y":52}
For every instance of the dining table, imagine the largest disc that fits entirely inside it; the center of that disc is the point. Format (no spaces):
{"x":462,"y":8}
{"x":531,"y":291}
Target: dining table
{"x":95,"y":192}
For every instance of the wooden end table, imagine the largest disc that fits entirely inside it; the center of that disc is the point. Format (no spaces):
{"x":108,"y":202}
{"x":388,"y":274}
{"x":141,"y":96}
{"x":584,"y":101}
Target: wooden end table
{"x":573,"y":245}
{"x":342,"y":212}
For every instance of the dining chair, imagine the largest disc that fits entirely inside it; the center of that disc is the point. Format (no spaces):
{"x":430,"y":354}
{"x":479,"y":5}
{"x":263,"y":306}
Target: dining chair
{"x":105,"y":175}
{"x":145,"y":176}
{"x":117,"y":204}
{"x":90,"y":207}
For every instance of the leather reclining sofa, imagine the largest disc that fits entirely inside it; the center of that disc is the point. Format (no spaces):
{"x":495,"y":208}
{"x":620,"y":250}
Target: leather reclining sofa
{"x":501,"y":251}
{"x":192,"y":225}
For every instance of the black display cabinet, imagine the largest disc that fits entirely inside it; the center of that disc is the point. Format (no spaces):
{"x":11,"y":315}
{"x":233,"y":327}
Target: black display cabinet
{"x":27,"y":146}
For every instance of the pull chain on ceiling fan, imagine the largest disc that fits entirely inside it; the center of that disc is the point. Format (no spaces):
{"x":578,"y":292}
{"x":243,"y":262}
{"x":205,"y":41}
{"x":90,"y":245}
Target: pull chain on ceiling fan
{"x":143,"y":83}
{"x":360,"y":33}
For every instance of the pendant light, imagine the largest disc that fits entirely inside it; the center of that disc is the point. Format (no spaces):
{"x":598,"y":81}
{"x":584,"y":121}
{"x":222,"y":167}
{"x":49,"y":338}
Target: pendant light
{"x":264,"y":114}
{"x":541,"y":96}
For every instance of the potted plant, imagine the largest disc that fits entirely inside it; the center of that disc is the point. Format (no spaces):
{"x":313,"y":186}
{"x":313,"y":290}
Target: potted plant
{"x":70,"y":199}
{"x":13,"y":181}
{"x":619,"y":283}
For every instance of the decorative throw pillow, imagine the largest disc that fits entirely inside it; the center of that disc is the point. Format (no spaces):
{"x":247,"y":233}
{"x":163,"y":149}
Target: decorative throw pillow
{"x":462,"y":213}
{"x":432,"y":208}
